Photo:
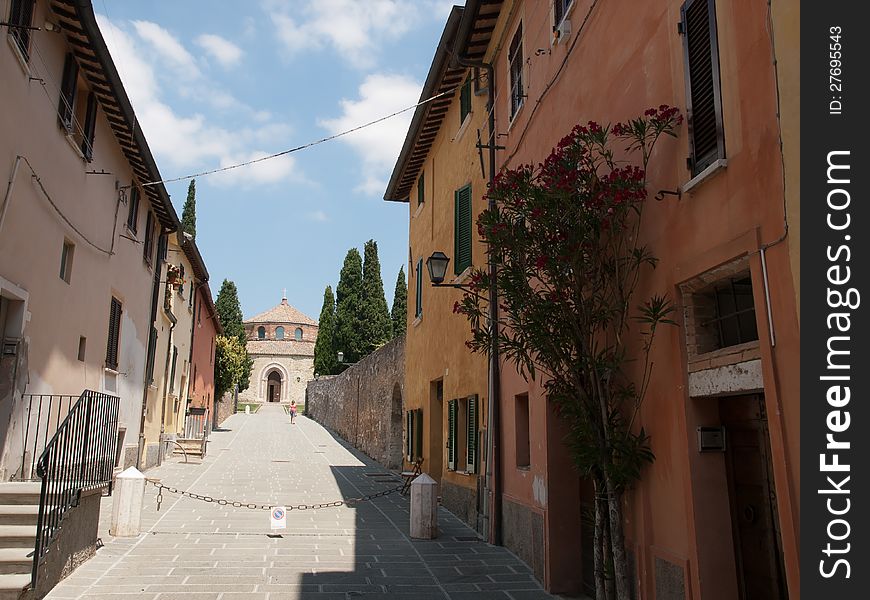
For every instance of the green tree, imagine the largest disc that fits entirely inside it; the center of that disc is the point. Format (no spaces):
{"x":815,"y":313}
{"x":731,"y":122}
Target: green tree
{"x":376,"y":325}
{"x":188,"y":214}
{"x":570,"y":261}
{"x":348,"y":308}
{"x":399,"y":314}
{"x":229,"y":312}
{"x":325,"y":359}
{"x":231,"y":364}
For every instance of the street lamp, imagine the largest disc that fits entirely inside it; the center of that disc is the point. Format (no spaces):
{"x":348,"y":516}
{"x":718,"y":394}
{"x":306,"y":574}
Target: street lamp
{"x":437,"y":266}
{"x":340,"y":357}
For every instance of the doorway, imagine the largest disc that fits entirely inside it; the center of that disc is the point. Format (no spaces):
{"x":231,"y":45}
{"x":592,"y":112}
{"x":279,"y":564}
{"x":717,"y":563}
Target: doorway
{"x":752,"y":495}
{"x":274,"y":387}
{"x":436,"y":430}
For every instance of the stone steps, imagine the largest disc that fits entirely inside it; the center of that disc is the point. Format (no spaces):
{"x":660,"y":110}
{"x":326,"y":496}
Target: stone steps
{"x":19,"y":511}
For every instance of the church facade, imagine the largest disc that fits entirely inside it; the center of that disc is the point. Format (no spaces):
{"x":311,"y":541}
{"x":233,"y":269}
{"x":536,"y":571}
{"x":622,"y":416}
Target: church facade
{"x":281,"y":342}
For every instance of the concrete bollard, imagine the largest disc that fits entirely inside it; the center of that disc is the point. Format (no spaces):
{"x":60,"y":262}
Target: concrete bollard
{"x":247,"y":409}
{"x":129,"y":495}
{"x":424,"y":508}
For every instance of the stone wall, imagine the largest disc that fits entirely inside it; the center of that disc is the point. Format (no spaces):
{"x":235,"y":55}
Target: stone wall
{"x":364,"y":404}
{"x":295,"y":373}
{"x":224,"y":408}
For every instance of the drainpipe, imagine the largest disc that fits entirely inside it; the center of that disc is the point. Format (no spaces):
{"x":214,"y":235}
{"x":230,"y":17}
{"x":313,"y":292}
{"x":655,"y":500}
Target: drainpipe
{"x":7,"y":198}
{"x":493,"y":477}
{"x":155,"y":300}
{"x":166,"y":383}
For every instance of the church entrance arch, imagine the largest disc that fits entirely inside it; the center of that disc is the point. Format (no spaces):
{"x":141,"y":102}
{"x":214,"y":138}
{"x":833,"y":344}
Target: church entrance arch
{"x":273,"y":387}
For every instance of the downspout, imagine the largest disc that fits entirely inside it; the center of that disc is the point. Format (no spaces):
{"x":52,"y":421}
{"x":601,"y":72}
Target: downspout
{"x":152,"y":352}
{"x":494,"y":473}
{"x":195,"y":292}
{"x":166,"y":382}
{"x":7,"y":198}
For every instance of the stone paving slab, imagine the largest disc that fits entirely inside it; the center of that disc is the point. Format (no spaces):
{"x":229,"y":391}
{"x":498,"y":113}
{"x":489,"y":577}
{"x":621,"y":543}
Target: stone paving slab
{"x":192,"y":550}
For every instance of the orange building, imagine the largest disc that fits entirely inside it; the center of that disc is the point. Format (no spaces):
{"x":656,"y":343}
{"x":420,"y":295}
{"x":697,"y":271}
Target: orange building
{"x":706,"y":520}
{"x":206,"y":326}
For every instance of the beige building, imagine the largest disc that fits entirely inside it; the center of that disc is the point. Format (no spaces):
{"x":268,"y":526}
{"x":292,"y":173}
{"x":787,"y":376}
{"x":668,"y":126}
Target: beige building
{"x":78,"y":235}
{"x":281,"y":342}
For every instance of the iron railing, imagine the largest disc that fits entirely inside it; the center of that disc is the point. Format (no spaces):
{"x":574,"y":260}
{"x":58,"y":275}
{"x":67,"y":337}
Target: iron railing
{"x":44,"y":413}
{"x":79,"y":457}
{"x":196,"y":424}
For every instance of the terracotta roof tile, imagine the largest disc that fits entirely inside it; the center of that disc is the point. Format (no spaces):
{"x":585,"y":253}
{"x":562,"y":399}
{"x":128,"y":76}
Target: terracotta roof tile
{"x":283,"y":313}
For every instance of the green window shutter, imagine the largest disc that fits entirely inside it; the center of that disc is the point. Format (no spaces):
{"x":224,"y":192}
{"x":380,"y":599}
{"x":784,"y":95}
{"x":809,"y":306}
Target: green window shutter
{"x":421,"y":189}
{"x":462,"y":229}
{"x":465,"y":100}
{"x":418,"y":433}
{"x":419,"y":308}
{"x":472,"y":435}
{"x":409,"y":435}
{"x":451,"y":435}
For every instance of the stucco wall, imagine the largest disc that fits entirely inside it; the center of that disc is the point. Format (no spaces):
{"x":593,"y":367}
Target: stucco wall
{"x":364,"y":404}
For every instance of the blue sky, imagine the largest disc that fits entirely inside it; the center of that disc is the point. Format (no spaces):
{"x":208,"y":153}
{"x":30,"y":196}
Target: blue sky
{"x":217,"y":83}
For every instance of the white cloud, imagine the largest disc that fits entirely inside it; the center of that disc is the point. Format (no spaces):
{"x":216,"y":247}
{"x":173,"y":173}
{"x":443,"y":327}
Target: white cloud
{"x":318,"y":215}
{"x":354,"y":29}
{"x":167,"y":46}
{"x":190,"y":142}
{"x":221,"y":49}
{"x":378,"y":146}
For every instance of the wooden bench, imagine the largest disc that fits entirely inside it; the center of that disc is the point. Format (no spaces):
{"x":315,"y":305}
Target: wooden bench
{"x":411,"y":475}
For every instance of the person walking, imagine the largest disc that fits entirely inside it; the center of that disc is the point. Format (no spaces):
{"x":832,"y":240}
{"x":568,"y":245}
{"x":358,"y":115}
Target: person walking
{"x":293,"y":412}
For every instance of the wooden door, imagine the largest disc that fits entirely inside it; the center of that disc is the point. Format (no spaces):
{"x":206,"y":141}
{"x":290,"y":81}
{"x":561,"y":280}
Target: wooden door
{"x":752,"y":492}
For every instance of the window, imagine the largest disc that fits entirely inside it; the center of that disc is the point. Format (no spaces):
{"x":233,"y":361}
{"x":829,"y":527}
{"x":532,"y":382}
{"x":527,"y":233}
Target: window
{"x":560,"y":9}
{"x":181,"y":274}
{"x":521,"y":423}
{"x":66,"y":260}
{"x":418,"y":312}
{"x":279,"y":333}
{"x":465,"y":100}
{"x":414,"y":434}
{"x":298,"y":334}
{"x":462,"y":434}
{"x":66,"y":114}
{"x":148,"y":246}
{"x":21,"y":14}
{"x":133,"y":210}
{"x":421,"y":189}
{"x":462,"y":229}
{"x":83,"y":344}
{"x":114,"y":334}
{"x":77,"y":108}
{"x":87,"y":145}
{"x":261,"y":333}
{"x":162,"y":243}
{"x":732,"y":313}
{"x":515,"y":60}
{"x":703,"y":89}
{"x":152,"y":350}
{"x":172,"y":371}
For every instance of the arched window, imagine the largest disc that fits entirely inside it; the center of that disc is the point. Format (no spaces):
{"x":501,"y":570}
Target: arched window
{"x":298,"y":334}
{"x":261,"y":333}
{"x":279,"y":333}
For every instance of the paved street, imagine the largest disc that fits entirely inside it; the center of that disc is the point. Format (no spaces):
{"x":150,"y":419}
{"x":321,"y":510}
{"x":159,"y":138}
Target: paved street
{"x":193,"y":549}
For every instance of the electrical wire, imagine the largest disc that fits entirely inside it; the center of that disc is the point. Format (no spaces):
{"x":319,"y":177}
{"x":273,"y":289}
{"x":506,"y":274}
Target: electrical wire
{"x":303,"y":146}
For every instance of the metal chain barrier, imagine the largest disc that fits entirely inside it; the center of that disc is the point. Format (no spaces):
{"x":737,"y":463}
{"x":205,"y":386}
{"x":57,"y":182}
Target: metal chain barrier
{"x":254,"y":506}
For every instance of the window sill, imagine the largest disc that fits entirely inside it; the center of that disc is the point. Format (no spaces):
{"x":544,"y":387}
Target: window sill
{"x":111,"y":371}
{"x":417,"y":321}
{"x":704,"y":175}
{"x":419,"y":209}
{"x":461,"y":278}
{"x":461,"y":131}
{"x":72,"y":143}
{"x":524,"y":468}
{"x":513,"y":118}
{"x":22,"y":62}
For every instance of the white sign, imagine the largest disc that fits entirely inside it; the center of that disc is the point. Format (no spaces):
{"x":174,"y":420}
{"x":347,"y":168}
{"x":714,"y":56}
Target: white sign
{"x":278,"y":516}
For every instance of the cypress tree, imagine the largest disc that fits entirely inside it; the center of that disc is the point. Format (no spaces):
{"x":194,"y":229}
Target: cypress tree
{"x":325,"y":359}
{"x":229,"y":312}
{"x":348,"y":308}
{"x":399,"y":314}
{"x":376,"y":325}
{"x":188,"y":214}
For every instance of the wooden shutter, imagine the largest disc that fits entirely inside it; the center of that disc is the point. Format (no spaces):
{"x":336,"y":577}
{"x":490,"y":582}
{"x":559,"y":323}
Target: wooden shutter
{"x":464,"y":100}
{"x":114,"y":334}
{"x":409,"y":435}
{"x":90,"y":126}
{"x":462,"y":229}
{"x":421,"y":190}
{"x":452,"y":407}
{"x":148,"y":246}
{"x":418,"y":433}
{"x":471,"y":460}
{"x":558,"y":13}
{"x":21,"y":13}
{"x":65,"y":112}
{"x":703,"y":88}
{"x":149,"y":361}
{"x":515,"y":60}
{"x":420,"y":287}
{"x":133,"y":214}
